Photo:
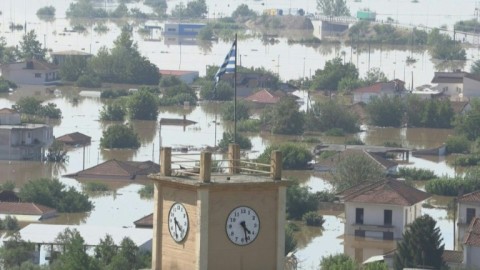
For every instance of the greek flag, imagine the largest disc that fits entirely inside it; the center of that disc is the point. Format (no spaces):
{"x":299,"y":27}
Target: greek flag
{"x":228,"y":65}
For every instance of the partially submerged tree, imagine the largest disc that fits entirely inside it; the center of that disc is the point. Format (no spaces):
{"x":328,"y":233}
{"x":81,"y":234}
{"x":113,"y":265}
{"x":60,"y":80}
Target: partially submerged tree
{"x":31,"y":48}
{"x":119,"y":136}
{"x":333,"y":7}
{"x":284,"y":117}
{"x":421,"y":246}
{"x":354,"y":169}
{"x":334,"y":71}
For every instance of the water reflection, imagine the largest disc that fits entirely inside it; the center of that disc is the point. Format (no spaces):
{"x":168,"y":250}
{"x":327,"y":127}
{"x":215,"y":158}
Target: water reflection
{"x":146,"y":130}
{"x":360,"y":249}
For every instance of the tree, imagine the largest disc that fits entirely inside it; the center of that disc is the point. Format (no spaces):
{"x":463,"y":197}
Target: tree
{"x":129,"y":257}
{"x":300,"y":201}
{"x":443,"y":47}
{"x":374,"y":75}
{"x":105,"y":250}
{"x":15,"y":251}
{"x":223,"y":92}
{"x":284,"y":117}
{"x":329,"y":115}
{"x":242,"y":111}
{"x":354,"y":169}
{"x":421,"y":246}
{"x":123,"y":63}
{"x":27,"y":105}
{"x":143,"y":105}
{"x":333,"y":7}
{"x":56,"y":152}
{"x":114,"y":111}
{"x":333,"y":72}
{"x":227,"y":138}
{"x":475,"y":68}
{"x":468,"y":124}
{"x":386,"y":111}
{"x":50,"y":110}
{"x":376,"y":266}
{"x":31,"y":48}
{"x":119,"y":136}
{"x":72,"y":68}
{"x":74,"y":256}
{"x":47,"y":11}
{"x":294,"y":156}
{"x":52,"y":193}
{"x":337,"y":262}
{"x":243,"y":12}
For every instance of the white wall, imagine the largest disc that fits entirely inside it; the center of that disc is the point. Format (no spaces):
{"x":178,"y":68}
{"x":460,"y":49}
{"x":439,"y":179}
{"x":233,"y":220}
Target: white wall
{"x":10,"y":119}
{"x":17,"y":73}
{"x":374,"y":215}
{"x":471,"y":257}
{"x":462,"y":218}
{"x":471,"y":88}
{"x":451,"y":89}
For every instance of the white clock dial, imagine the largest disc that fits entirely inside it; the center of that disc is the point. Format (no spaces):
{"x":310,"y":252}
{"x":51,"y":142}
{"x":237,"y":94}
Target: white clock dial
{"x":178,"y":222}
{"x":242,"y":225}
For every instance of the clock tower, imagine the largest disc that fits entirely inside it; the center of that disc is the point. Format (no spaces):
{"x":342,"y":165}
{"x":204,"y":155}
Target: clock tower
{"x":206,"y":220}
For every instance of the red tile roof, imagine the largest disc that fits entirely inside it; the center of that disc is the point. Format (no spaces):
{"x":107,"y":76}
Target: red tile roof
{"x":116,"y":169}
{"x":333,"y":161}
{"x":24,"y":208}
{"x":389,"y":191}
{"x":472,"y":237}
{"x":264,"y":96}
{"x":379,"y":87}
{"x":74,"y":138}
{"x":452,"y":256}
{"x":374,"y":88}
{"x":470,"y":197}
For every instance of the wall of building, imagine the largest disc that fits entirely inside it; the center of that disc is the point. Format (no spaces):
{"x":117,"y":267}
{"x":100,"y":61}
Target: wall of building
{"x":17,"y":73}
{"x":259,"y":254}
{"x":462,"y":218}
{"x":471,"y":88}
{"x":374,"y":215}
{"x":470,"y":257}
{"x":451,"y":89}
{"x":10,"y":119}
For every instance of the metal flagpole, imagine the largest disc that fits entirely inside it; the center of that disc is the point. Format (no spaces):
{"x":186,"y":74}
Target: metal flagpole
{"x":235,"y":94}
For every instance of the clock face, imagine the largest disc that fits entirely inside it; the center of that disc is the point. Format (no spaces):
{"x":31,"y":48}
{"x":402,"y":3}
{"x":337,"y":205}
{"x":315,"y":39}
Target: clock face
{"x":178,"y":222}
{"x":242,"y":225}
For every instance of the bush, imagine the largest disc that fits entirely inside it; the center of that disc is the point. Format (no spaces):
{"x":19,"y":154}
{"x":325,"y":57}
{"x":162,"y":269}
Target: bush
{"x":5,"y":85}
{"x":119,"y":136}
{"x":146,"y":192}
{"x":290,"y":242}
{"x":392,"y":144}
{"x":467,"y":160}
{"x":335,"y":132}
{"x":457,"y":144}
{"x":46,"y":11}
{"x":339,"y":261}
{"x":89,"y":81}
{"x":249,"y":125}
{"x":354,"y":141}
{"x":313,"y":219}
{"x":113,"y":93}
{"x":300,"y":201}
{"x":95,"y":187}
{"x":416,"y":174}
{"x":10,"y":223}
{"x":227,"y":138}
{"x":294,"y":156}
{"x":325,"y":196}
{"x":113,"y":112}
{"x":447,"y":186}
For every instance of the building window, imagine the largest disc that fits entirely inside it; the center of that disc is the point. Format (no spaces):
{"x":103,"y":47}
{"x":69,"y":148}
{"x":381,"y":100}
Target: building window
{"x":38,"y":75}
{"x":387,"y":217}
{"x":359,"y":215}
{"x":470,"y":214}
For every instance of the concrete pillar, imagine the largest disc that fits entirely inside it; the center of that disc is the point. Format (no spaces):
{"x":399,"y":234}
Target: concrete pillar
{"x":157,"y":228}
{"x":234,"y":158}
{"x":276,"y":165}
{"x":166,"y":161}
{"x":205,"y":167}
{"x":203,"y":197}
{"x":281,"y":217}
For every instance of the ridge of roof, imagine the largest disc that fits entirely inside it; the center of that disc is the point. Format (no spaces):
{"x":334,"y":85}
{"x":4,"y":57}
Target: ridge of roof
{"x":387,"y":191}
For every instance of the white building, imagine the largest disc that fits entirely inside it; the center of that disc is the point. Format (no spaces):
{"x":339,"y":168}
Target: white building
{"x":45,"y":236}
{"x":31,"y":72}
{"x":458,"y":85}
{"x":20,"y":141}
{"x":381,"y":209}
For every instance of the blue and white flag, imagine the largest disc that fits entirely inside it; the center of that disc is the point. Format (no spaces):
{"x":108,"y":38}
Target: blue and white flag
{"x":228,"y":65}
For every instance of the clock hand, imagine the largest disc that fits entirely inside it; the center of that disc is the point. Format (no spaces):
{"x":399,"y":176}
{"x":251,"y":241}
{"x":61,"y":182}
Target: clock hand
{"x":245,"y":230}
{"x":177,"y":225}
{"x":175,"y":220}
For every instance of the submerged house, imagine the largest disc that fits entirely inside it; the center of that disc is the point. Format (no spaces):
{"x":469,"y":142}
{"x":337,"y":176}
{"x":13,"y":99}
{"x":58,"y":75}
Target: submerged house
{"x":457,"y":85}
{"x":118,"y":170}
{"x":468,"y":208}
{"x":33,"y":72}
{"x":183,"y":29}
{"x":22,"y":141}
{"x":381,"y":209}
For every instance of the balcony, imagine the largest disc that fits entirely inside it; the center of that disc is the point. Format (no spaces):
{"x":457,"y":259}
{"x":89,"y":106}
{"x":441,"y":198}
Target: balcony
{"x":373,"y":228}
